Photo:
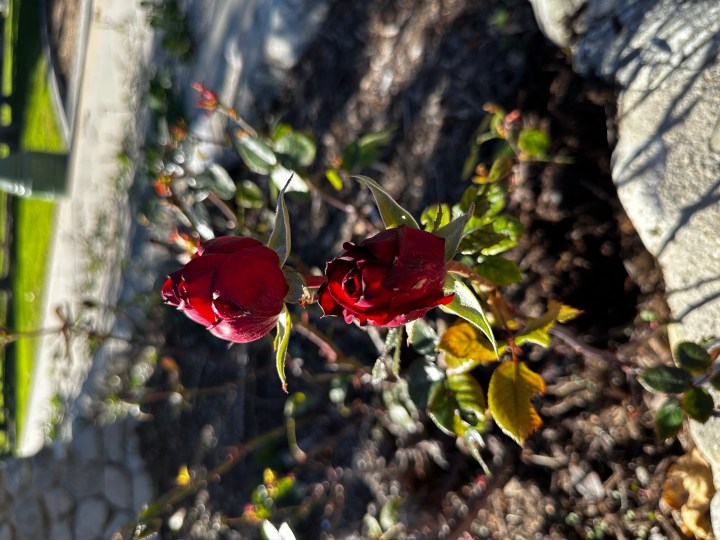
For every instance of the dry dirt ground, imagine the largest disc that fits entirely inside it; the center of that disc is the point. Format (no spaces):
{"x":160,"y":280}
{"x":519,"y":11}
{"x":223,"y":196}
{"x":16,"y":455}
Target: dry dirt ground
{"x":595,"y":468}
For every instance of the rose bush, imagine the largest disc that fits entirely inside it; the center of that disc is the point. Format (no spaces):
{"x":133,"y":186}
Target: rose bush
{"x":388,"y":280}
{"x":234,"y":287}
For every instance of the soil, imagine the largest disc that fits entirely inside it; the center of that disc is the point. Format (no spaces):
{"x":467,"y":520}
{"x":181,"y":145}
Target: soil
{"x":595,"y":468}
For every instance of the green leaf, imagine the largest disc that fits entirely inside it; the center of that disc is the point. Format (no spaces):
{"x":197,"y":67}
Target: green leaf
{"x":512,"y":386}
{"x":222,"y":184}
{"x":501,"y":168}
{"x":420,"y":376}
{"x":692,"y":357}
{"x":698,"y":404}
{"x":442,"y":407}
{"x":466,"y":305}
{"x":392,"y":214}
{"x":533,"y":142}
{"x":453,"y":233}
{"x":296,"y":286}
{"x":249,"y":195}
{"x":334,"y":178}
{"x":421,"y":336}
{"x":715,"y":380}
{"x":297,"y":147}
{"x":669,"y":418}
{"x":281,"y":344}
{"x":256,"y":154}
{"x":480,"y":239}
{"x":670,"y":380}
{"x":280,"y":237}
{"x":470,"y":399}
{"x":377,"y":139}
{"x":281,"y":177}
{"x":457,"y":403}
{"x":502,"y":272}
{"x":435,"y":216}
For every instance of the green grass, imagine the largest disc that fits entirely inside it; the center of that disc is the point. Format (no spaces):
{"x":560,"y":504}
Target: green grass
{"x":24,"y":80}
{"x":41,"y":131}
{"x":33,"y":230}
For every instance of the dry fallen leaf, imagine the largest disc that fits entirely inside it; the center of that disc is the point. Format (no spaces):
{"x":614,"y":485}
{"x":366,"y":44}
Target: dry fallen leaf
{"x":689,"y":489}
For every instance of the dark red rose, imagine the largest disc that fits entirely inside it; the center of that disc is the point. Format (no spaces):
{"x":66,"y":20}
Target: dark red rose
{"x":388,"y":280}
{"x":233,"y":286}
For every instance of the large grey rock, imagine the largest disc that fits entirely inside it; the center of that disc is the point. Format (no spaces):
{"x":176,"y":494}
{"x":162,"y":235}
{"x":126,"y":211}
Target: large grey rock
{"x":29,"y":517}
{"x":59,"y":502}
{"x":118,"y":487}
{"x":664,"y":56}
{"x":90,"y":518}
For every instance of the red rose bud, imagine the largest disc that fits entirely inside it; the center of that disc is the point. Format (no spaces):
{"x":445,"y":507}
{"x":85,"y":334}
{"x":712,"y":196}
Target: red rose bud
{"x":388,"y":280}
{"x":208,"y":99}
{"x":234,"y":287}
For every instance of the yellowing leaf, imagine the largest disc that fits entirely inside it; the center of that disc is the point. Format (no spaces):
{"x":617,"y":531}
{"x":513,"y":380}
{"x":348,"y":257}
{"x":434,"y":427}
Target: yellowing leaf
{"x":466,"y":348}
{"x":689,"y":488}
{"x":567,"y":313}
{"x":512,"y":385}
{"x":183,"y":476}
{"x":538,"y":330}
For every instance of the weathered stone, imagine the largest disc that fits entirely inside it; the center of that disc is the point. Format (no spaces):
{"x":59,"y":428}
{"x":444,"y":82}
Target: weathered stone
{"x":29,"y":519}
{"x":90,"y":518}
{"x":118,"y":487}
{"x":114,"y":441}
{"x":59,"y":502}
{"x":142,"y":490}
{"x":664,"y":57}
{"x":84,"y":479}
{"x":18,"y":476}
{"x":45,"y":472}
{"x":6,"y":532}
{"x":86,"y":443}
{"x":61,"y":530}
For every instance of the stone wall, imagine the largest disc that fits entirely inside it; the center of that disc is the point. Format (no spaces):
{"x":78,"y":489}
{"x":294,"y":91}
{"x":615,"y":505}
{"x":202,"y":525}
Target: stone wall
{"x":88,"y":488}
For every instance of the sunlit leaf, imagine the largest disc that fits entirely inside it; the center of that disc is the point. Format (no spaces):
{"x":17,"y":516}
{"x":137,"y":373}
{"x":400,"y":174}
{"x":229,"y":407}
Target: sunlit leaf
{"x":512,"y":386}
{"x":222,"y":184}
{"x":280,"y":238}
{"x":452,"y":232}
{"x":389,"y":512}
{"x":281,"y":344}
{"x":435,"y":216}
{"x":668,"y":419}
{"x":297,"y":147}
{"x":692,"y":357}
{"x":392,"y":214}
{"x":466,"y":348}
{"x":499,"y":270}
{"x":421,"y":336}
{"x":533,"y":142}
{"x":470,"y":399}
{"x":280,"y":176}
{"x":183,"y":476}
{"x":466,"y":305}
{"x":698,"y":404}
{"x":249,"y":195}
{"x":334,"y":178}
{"x":501,"y":169}
{"x":670,"y":380}
{"x":255,"y":153}
{"x":455,"y":403}
{"x":537,"y":329}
